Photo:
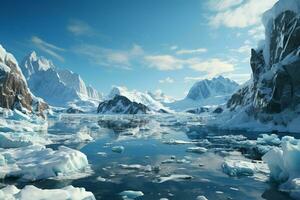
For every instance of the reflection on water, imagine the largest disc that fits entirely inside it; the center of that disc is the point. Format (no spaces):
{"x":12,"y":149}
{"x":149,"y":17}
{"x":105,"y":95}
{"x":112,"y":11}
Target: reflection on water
{"x":149,"y":157}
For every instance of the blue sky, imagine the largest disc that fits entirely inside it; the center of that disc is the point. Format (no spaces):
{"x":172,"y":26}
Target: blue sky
{"x":145,"y":45}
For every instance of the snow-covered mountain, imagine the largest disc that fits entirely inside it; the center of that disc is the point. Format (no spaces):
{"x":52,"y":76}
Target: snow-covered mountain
{"x":158,"y":95}
{"x":58,"y":87}
{"x":138,"y":97}
{"x":121,"y":105}
{"x":14,"y":92}
{"x":272,"y":97}
{"x":207,"y":92}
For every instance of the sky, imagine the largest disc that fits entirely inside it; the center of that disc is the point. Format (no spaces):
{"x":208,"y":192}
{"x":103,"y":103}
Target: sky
{"x":146,"y":45}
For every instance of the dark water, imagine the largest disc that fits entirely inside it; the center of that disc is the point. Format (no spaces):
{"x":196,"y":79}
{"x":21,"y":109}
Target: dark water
{"x":143,"y":139}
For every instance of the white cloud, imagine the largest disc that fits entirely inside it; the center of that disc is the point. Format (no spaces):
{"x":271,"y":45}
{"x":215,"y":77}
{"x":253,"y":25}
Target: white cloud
{"x":78,"y":27}
{"x":244,"y":15}
{"x":166,"y":80}
{"x":220,"y":5}
{"x":48,"y":48}
{"x":257,"y":32}
{"x":109,"y":57}
{"x":191,"y":51}
{"x":174,"y":47}
{"x":212,"y":66}
{"x":164,"y":62}
{"x":245,"y":49}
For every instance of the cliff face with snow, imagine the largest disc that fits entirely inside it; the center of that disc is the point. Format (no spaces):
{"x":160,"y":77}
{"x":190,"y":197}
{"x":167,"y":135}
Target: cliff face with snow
{"x":14,"y":92}
{"x":275,"y":84}
{"x":56,"y":86}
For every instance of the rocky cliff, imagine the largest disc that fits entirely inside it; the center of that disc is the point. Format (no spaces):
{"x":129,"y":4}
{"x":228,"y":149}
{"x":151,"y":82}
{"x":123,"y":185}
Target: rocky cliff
{"x":275,"y":84}
{"x":14,"y":93}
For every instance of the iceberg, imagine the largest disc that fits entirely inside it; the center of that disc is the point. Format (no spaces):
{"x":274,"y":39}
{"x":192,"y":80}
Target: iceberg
{"x":11,"y":192}
{"x":36,"y":162}
{"x":284,"y":165}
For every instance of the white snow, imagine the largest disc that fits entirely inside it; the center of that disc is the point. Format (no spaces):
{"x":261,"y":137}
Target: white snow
{"x":206,"y":93}
{"x":31,"y":192}
{"x":22,"y":139}
{"x":38,"y":162}
{"x":58,"y":87}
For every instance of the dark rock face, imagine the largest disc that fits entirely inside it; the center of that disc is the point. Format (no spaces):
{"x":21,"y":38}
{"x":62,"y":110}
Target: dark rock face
{"x":74,"y":111}
{"x":14,"y":93}
{"x":275,"y":84}
{"x":198,"y":110}
{"x":218,"y":110}
{"x":122,"y":105}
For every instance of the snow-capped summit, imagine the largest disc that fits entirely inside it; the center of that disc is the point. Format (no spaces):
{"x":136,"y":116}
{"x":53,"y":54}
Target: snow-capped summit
{"x":32,"y":63}
{"x":138,"y":97}
{"x":59,"y":87}
{"x":212,"y":87}
{"x":207,"y":92}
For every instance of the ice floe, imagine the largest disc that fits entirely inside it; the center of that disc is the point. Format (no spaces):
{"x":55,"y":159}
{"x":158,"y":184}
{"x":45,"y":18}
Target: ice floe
{"x":118,"y":149}
{"x":130,"y":194}
{"x":38,"y":162}
{"x":174,"y":177}
{"x":22,"y":139}
{"x":284,"y":165}
{"x":30,"y":192}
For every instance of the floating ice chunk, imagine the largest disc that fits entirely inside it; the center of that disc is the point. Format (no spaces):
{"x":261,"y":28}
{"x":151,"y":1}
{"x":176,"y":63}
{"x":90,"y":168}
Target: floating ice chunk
{"x":268,"y":139}
{"x":104,"y":154}
{"x":32,"y":192}
{"x":18,"y":139}
{"x":284,"y":164}
{"x":130,"y":194}
{"x":37,"y":162}
{"x":196,"y":149}
{"x":238,"y":168}
{"x":118,"y":149}
{"x":175,"y":177}
{"x":146,"y":168}
{"x":201,"y":198}
{"x":101,"y":179}
{"x":174,"y":142}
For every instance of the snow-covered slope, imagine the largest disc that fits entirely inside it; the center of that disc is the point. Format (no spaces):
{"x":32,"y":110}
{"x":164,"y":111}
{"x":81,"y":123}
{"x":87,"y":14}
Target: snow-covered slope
{"x":207,"y":92}
{"x":59,"y":87}
{"x":271,"y":100}
{"x":158,"y":95}
{"x":138,"y":97}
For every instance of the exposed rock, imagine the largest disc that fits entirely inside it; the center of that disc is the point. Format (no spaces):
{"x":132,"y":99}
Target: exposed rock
{"x":122,"y":105}
{"x":14,"y":93}
{"x":218,"y":110}
{"x":275,"y":84}
{"x":198,"y":110}
{"x":74,"y":111}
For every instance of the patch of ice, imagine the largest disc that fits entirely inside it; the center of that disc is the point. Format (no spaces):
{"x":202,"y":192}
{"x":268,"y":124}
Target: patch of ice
{"x":196,"y":150}
{"x":201,"y":198}
{"x":118,"y":149}
{"x":17,"y":139}
{"x":284,"y":164}
{"x":130,"y":194}
{"x":30,"y":192}
{"x":174,"y":177}
{"x":38,"y":162}
{"x":175,"y":142}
